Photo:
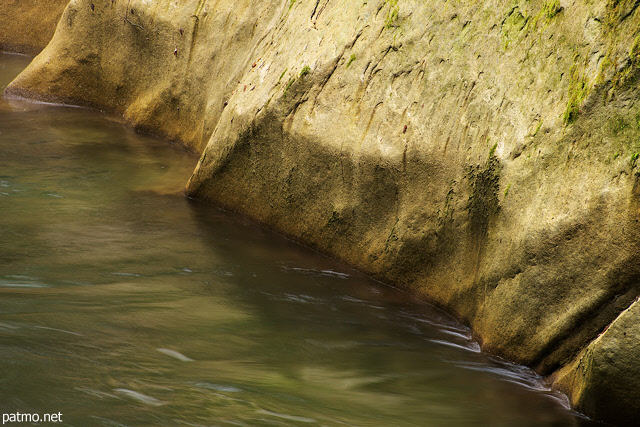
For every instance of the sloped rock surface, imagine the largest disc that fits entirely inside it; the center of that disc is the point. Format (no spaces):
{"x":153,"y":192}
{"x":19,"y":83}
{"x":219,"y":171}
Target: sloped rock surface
{"x":28,"y":25}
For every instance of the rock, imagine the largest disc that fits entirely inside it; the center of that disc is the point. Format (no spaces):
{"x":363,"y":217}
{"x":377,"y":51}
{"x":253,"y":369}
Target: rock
{"x":603,"y":370}
{"x":28,"y":25}
{"x":482,"y":155}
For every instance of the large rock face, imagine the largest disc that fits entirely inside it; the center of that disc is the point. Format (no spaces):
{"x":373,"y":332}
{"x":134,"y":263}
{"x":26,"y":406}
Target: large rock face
{"x":483,"y":154}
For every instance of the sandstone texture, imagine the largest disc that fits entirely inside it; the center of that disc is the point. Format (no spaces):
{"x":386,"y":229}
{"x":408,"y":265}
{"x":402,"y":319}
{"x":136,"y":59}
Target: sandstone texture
{"x":28,"y":25}
{"x":596,"y":375}
{"x":483,"y":154}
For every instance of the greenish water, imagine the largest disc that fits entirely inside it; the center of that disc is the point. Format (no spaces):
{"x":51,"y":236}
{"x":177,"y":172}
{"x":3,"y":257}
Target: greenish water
{"x":122,"y":303}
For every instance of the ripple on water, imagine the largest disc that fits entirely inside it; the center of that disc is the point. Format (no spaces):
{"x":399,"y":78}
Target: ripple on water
{"x":504,"y":371}
{"x":468,"y":346}
{"x":15,"y":281}
{"x":287,"y":417}
{"x":175,"y":354}
{"x":143,"y":398}
{"x":219,"y":387}
{"x":314,"y":272}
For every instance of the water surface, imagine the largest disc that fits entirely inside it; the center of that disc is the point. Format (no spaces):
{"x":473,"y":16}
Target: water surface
{"x":122,"y":303}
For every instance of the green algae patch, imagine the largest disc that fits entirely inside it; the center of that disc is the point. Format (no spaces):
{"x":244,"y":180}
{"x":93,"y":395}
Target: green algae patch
{"x":513,"y":27}
{"x":392,"y":14}
{"x":578,"y":91}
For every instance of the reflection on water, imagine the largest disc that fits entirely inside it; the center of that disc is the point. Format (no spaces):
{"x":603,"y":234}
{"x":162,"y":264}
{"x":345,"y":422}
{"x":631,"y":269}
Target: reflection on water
{"x":123,"y":303}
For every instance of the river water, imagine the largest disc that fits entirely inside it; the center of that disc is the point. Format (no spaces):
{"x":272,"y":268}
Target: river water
{"x":122,"y":303}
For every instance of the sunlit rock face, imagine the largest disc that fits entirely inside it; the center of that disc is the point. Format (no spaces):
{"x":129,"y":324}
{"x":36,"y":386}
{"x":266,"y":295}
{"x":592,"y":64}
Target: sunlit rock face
{"x":483,"y":154}
{"x":28,"y":25}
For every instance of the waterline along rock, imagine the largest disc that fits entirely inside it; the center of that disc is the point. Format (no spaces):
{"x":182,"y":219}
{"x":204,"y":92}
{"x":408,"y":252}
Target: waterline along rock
{"x":483,"y":154}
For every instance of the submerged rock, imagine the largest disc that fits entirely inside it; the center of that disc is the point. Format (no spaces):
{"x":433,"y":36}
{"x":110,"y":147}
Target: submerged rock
{"x":481,"y":154}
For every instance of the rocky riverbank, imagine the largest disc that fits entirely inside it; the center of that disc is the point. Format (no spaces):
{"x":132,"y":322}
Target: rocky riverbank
{"x":482,"y":154}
